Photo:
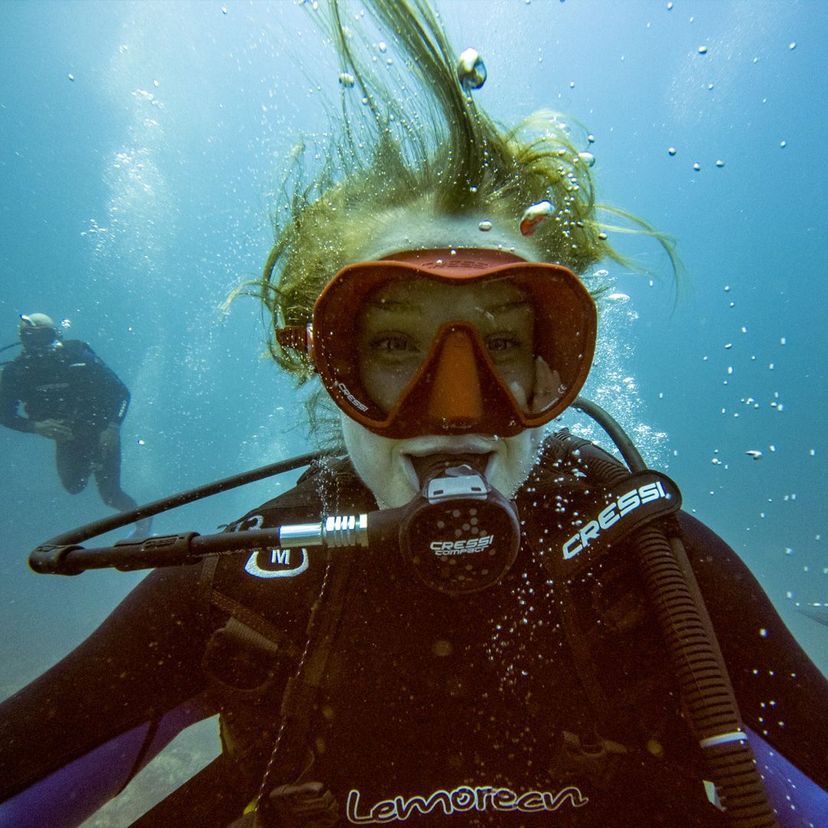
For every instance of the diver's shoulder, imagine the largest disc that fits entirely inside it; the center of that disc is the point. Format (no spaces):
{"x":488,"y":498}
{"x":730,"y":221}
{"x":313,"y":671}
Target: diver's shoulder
{"x":724,"y":578}
{"x":273,"y":581}
{"x":702,"y":542}
{"x":75,"y":345}
{"x":76,"y":350}
{"x":13,"y":368}
{"x":329,"y":485}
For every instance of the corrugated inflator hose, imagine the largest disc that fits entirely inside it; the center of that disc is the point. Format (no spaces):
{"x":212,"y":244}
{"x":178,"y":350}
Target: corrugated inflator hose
{"x":706,"y":692}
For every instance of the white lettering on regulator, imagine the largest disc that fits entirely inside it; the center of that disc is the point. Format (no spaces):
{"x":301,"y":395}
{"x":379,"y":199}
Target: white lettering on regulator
{"x":462,"y":547}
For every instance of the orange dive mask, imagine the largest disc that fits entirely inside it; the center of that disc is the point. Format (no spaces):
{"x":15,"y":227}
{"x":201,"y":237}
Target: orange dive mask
{"x":450,"y":342}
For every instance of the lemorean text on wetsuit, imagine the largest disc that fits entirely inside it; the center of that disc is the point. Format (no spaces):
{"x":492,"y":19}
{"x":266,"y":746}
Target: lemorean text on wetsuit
{"x":461,"y":800}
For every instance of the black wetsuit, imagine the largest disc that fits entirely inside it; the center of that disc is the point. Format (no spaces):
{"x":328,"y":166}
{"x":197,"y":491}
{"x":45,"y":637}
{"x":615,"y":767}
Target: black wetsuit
{"x":72,"y":384}
{"x":486,"y":709}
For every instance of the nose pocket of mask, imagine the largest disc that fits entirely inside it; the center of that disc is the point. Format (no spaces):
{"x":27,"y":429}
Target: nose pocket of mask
{"x":456,"y":389}
{"x":455,"y":395}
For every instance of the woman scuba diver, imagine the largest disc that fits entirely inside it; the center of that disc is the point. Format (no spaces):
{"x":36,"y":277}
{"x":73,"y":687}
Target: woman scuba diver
{"x":504,"y":653}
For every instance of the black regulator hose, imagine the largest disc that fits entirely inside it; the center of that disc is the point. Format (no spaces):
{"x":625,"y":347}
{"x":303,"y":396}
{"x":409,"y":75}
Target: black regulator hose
{"x":166,"y":504}
{"x":705,"y":687}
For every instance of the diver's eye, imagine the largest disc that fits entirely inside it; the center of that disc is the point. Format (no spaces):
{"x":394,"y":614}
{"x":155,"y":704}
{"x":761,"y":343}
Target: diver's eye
{"x":392,"y":344}
{"x":502,"y":343}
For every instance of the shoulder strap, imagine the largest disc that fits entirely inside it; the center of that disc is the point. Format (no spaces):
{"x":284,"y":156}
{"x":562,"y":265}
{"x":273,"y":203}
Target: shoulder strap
{"x":617,"y":511}
{"x":328,"y":486}
{"x":580,"y":534}
{"x":249,"y":626}
{"x":288,"y":762}
{"x":601,"y":502}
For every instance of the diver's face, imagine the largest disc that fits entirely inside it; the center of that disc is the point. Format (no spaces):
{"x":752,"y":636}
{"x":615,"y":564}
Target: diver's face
{"x":39,"y":341}
{"x":398,"y":326}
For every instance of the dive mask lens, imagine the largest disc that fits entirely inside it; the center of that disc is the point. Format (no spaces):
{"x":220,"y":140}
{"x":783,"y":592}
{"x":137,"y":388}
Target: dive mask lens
{"x":434,"y":343}
{"x":38,"y":338}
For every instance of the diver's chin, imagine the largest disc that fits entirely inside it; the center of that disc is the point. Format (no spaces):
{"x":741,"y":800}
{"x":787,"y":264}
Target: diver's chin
{"x":380,"y":467}
{"x":505,"y":462}
{"x":393,"y":469}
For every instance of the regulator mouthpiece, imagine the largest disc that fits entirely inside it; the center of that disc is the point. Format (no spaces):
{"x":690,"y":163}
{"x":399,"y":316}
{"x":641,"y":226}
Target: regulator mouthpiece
{"x":459,"y":534}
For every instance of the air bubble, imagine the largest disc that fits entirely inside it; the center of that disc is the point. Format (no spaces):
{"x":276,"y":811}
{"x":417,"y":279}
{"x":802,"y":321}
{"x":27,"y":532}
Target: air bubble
{"x":471,"y":71}
{"x":534,"y":215}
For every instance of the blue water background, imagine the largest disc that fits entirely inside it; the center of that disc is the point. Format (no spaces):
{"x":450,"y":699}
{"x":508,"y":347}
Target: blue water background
{"x":142,"y":146}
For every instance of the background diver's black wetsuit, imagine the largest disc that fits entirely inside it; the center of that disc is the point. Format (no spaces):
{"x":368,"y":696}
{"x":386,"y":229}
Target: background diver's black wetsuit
{"x":72,"y":384}
{"x":425,"y":694}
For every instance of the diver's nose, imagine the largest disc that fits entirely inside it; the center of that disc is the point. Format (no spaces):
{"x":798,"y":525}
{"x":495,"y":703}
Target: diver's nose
{"x":455,"y":397}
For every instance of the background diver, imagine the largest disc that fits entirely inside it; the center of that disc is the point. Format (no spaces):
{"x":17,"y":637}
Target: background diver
{"x":69,"y":395}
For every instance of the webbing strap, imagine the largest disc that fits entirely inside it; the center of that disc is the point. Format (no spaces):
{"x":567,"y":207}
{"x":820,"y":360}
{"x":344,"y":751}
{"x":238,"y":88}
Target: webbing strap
{"x":299,"y":700}
{"x":255,"y":622}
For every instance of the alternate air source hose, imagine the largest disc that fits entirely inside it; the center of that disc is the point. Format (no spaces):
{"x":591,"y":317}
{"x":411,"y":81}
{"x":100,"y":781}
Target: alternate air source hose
{"x":704,"y":684}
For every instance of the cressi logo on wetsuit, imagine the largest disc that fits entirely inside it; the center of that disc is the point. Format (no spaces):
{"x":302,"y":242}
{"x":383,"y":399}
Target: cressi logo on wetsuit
{"x":630,"y":502}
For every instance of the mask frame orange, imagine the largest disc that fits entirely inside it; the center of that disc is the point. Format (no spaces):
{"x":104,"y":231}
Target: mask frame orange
{"x":565,"y":333}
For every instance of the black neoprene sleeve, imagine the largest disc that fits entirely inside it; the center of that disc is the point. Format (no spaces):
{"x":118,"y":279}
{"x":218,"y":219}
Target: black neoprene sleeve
{"x":780,"y":691}
{"x":143,"y":661}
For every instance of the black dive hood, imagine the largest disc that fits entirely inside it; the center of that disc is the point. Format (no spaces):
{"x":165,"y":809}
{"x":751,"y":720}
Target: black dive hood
{"x":452,"y":553}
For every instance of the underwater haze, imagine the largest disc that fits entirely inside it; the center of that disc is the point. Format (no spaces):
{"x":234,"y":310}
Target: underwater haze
{"x":143,"y":148}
